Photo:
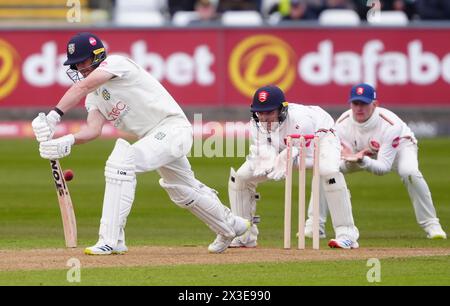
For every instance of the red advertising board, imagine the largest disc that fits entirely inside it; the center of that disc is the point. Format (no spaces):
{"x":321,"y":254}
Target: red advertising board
{"x":222,"y":67}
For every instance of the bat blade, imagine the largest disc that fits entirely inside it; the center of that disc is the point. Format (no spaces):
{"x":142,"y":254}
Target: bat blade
{"x":65,"y":205}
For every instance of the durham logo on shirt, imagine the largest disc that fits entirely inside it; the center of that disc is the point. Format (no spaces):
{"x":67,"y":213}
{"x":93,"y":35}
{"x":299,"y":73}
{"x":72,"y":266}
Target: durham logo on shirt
{"x":106,"y":95}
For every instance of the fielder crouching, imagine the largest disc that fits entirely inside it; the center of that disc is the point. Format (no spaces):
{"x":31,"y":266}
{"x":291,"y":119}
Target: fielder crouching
{"x":121,"y":92}
{"x":376,"y":140}
{"x":273,"y":120}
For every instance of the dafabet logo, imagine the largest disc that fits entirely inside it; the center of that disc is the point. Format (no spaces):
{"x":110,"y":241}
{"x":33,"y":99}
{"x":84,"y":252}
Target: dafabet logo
{"x":260,"y":60}
{"x":9,"y":69}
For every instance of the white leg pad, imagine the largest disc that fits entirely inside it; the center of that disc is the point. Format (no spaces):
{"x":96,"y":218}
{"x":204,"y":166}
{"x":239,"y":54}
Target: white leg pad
{"x":242,"y":197}
{"x":338,"y":199}
{"x":121,"y":238}
{"x":119,"y":193}
{"x":204,"y":205}
{"x":323,"y":209}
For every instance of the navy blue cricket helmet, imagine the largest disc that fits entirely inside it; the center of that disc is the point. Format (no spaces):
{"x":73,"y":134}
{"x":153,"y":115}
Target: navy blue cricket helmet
{"x":269,"y":98}
{"x":83,"y":46}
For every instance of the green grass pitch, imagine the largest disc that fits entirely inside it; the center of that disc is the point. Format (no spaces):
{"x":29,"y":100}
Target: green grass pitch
{"x":30,"y":219}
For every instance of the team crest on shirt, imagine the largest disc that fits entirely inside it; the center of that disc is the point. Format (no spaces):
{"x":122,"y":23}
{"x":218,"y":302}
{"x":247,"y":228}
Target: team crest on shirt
{"x":374,"y":145}
{"x":106,"y":95}
{"x":71,"y":48}
{"x":396,"y":142}
{"x":160,"y":136}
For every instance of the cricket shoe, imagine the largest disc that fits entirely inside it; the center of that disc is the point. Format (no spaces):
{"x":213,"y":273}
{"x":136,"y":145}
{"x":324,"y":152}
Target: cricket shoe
{"x":343,"y":244}
{"x":221,"y":243}
{"x":435,"y":231}
{"x":104,"y":249}
{"x":248,"y":240}
{"x":120,"y":249}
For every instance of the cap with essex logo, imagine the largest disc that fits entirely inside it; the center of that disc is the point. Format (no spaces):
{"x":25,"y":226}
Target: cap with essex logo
{"x":363,"y":93}
{"x":267,"y":98}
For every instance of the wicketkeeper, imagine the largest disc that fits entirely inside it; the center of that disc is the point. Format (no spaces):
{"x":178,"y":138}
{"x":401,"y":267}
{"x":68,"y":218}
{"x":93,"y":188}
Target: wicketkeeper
{"x":274,"y":119}
{"x":376,"y":140}
{"x":121,"y":92}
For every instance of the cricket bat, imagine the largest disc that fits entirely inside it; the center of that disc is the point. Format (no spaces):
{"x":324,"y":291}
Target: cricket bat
{"x":65,"y":205}
{"x":65,"y":202}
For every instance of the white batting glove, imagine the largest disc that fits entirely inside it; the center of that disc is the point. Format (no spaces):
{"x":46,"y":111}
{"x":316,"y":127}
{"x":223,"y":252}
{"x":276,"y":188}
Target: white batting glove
{"x":279,"y":169}
{"x":44,"y":127}
{"x":263,"y":158}
{"x":57,"y":148}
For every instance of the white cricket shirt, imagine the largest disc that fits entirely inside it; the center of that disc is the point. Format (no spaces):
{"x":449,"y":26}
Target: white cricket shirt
{"x":134,"y":101}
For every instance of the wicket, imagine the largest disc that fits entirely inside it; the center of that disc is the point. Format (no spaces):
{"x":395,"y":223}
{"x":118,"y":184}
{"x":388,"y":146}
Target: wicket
{"x":302,"y":191}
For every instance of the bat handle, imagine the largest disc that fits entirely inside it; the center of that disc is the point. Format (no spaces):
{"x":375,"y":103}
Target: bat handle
{"x":42,"y":116}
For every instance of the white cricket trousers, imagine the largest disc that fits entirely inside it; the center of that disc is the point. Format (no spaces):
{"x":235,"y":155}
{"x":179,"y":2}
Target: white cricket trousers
{"x":165,"y":150}
{"x":407,"y":166}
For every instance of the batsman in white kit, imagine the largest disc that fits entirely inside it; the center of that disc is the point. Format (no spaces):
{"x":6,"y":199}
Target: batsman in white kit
{"x":376,"y":140}
{"x":273,"y":120}
{"x":121,"y":92}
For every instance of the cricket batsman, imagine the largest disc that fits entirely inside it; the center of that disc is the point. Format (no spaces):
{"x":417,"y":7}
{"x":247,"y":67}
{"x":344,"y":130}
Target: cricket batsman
{"x":121,"y":92}
{"x":376,"y":140}
{"x":274,"y":119}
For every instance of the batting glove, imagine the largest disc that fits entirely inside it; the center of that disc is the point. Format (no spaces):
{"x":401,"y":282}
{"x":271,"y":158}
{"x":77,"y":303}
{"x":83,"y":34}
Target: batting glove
{"x":57,"y":148}
{"x":44,"y":127}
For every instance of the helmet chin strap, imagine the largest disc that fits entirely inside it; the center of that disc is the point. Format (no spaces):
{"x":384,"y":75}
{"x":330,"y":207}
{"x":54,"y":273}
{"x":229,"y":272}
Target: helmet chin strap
{"x":76,"y":75}
{"x":268,"y":132}
{"x":264,"y":127}
{"x":274,"y":126}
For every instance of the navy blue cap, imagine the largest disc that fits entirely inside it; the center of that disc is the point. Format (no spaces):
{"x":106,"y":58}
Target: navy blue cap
{"x":81,"y":47}
{"x":363,"y":92}
{"x":267,"y":98}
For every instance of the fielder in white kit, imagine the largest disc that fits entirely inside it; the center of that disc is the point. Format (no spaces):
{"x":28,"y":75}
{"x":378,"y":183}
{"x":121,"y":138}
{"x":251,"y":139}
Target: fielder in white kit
{"x":273,"y":120}
{"x":121,"y":92}
{"x":376,"y":140}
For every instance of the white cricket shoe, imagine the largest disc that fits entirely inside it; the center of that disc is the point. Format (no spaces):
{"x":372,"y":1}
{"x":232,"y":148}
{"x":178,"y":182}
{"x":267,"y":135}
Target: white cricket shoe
{"x":343,"y":244}
{"x":221,"y":243}
{"x":98,"y":250}
{"x":120,"y":249}
{"x":435,"y":231}
{"x":248,"y":240}
{"x":104,"y":249}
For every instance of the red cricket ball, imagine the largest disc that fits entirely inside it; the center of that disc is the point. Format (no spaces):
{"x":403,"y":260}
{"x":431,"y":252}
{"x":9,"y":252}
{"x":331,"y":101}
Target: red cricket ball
{"x":68,"y":175}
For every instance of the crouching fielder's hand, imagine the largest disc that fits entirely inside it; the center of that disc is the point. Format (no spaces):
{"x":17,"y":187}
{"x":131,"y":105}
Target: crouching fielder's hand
{"x":44,"y":126}
{"x":279,"y":169}
{"x":57,"y":148}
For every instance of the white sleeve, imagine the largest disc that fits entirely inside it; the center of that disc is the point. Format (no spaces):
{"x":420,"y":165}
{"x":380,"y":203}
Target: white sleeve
{"x":116,"y":65}
{"x":256,"y":137}
{"x":253,"y":133}
{"x":254,"y":144}
{"x":386,"y":154}
{"x":90,"y":103}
